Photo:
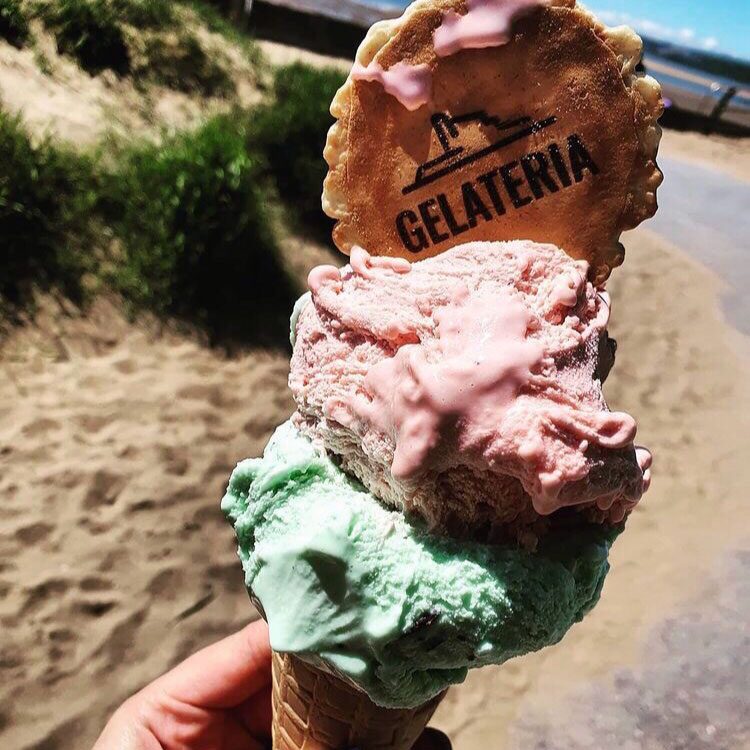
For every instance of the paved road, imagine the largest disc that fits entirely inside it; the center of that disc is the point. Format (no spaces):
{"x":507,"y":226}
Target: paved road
{"x":692,"y":691}
{"x":691,"y":694}
{"x":707,"y":213}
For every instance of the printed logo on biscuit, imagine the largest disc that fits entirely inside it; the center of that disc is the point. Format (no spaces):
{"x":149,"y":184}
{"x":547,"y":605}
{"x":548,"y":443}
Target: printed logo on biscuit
{"x":488,"y":195}
{"x":484,"y":120}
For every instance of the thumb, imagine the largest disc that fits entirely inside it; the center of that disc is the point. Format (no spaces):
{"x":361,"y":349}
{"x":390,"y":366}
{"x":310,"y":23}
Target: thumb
{"x":225,"y":674}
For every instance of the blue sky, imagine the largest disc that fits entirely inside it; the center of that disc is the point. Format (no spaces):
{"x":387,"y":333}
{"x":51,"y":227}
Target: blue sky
{"x":719,"y":25}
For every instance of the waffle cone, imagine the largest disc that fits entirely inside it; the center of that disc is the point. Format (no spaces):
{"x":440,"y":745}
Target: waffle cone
{"x":314,"y":710}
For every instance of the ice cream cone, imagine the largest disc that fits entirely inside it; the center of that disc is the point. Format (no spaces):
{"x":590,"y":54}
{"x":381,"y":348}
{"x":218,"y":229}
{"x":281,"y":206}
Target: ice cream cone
{"x":314,"y":710}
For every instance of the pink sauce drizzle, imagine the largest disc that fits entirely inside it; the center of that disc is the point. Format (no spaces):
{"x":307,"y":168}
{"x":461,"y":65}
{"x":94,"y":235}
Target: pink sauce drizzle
{"x":321,"y":275}
{"x":488,"y":23}
{"x":611,"y":430}
{"x":568,"y":287}
{"x":478,"y":383}
{"x":484,"y":358}
{"x":362,"y":263}
{"x":410,"y":84}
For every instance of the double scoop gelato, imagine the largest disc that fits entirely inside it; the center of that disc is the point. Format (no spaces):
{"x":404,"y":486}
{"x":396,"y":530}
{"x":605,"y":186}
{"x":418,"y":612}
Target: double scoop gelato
{"x":446,"y":494}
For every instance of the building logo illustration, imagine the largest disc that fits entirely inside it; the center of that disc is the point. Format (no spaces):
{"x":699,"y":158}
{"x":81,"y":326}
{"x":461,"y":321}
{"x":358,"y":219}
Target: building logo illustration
{"x":454,"y":156}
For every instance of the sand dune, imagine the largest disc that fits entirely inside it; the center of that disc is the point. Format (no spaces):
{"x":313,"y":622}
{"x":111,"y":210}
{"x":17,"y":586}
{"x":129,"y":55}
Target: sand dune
{"x":64,"y":101}
{"x":116,"y":441}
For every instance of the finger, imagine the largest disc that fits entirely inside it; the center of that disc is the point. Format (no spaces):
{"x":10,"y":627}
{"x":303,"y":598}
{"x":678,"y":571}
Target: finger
{"x":432,"y":739}
{"x":225,"y":674}
{"x":256,"y":713}
{"x":124,"y":731}
{"x":236,"y":737}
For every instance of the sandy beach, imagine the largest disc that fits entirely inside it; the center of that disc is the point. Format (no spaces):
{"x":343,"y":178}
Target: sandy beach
{"x":117,"y":440}
{"x":117,"y":437}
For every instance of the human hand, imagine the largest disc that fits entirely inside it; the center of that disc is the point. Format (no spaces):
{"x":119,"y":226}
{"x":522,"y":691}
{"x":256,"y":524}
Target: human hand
{"x":217,"y":699}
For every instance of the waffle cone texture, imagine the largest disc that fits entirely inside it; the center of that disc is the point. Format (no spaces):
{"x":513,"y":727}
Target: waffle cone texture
{"x":314,"y":710}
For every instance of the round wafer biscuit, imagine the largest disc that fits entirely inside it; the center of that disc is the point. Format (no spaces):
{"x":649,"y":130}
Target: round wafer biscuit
{"x":493,"y":120}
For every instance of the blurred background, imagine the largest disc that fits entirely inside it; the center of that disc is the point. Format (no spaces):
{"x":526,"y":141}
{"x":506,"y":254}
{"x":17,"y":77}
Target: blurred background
{"x":160,"y":178}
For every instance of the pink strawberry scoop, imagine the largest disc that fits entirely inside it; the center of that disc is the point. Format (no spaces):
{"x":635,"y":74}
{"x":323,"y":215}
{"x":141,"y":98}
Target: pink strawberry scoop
{"x":466,"y":388}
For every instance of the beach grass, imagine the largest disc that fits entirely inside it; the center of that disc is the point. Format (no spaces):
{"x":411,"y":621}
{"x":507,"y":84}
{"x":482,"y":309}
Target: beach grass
{"x":193,"y":220}
{"x":149,"y":14}
{"x":47,"y":193}
{"x":14,"y":26}
{"x":150,"y":40}
{"x":90,"y":31}
{"x":185,"y":227}
{"x":290,"y":129}
{"x":179,"y":62}
{"x":211,"y":19}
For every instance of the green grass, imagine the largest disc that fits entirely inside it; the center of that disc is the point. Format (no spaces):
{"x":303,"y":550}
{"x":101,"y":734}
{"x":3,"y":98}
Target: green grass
{"x":94,"y":31}
{"x":183,"y":65}
{"x":193,"y":218}
{"x":291,"y":131}
{"x":98,"y":34}
{"x":14,"y":27}
{"x":90,"y":31}
{"x":150,"y":40}
{"x":148,"y":14}
{"x":46,"y":194}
